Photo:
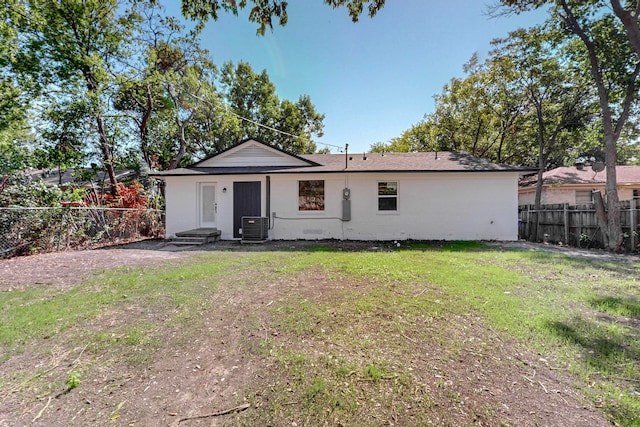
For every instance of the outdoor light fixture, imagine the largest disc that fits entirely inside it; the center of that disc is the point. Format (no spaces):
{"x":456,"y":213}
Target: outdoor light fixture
{"x":224,"y":190}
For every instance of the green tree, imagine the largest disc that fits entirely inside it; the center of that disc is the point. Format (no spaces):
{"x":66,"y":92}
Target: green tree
{"x":252,"y":96}
{"x":418,"y":137}
{"x":561,"y":102}
{"x":604,"y":38}
{"x":17,"y":88}
{"x":172,"y":82}
{"x":15,"y":155}
{"x":63,"y":139}
{"x":264,"y":12}
{"x":79,"y":46}
{"x":214,"y":127}
{"x":482,"y":114}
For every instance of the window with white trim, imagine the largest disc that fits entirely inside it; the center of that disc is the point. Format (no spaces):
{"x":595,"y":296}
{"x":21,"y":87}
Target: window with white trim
{"x":388,"y":196}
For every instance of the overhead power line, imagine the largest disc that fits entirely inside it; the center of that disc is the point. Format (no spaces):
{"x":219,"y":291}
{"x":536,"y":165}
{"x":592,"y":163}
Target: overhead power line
{"x":265,"y":126}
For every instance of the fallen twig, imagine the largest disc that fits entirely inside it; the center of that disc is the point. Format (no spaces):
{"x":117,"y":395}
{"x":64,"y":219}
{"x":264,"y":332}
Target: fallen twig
{"x":423,"y":291}
{"x":532,"y":377}
{"x":120,"y":405}
{"x":543,"y":387}
{"x":19,"y":386}
{"x":561,"y":397}
{"x":42,"y":410}
{"x":79,"y":356}
{"x":384,"y":377}
{"x":238,"y":408}
{"x":410,"y":339}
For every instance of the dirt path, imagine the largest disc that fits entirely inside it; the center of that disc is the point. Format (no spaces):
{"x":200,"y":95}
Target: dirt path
{"x":65,"y":269}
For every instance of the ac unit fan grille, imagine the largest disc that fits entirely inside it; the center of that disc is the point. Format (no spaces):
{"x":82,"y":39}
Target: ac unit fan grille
{"x":255,"y":228}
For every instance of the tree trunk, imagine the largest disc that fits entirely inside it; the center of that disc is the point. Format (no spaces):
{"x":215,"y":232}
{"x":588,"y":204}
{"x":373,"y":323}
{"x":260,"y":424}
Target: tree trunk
{"x":142,"y":126}
{"x":612,"y":227}
{"x":542,"y":162}
{"x":175,"y":161}
{"x":630,"y":22}
{"x":3,"y":182}
{"x":614,"y":222}
{"x":182,"y":124}
{"x":533,"y":227}
{"x":601,"y":216}
{"x":107,"y":157}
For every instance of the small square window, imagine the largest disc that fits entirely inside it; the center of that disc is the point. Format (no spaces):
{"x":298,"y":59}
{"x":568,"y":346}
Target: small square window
{"x":311,"y":195}
{"x":388,"y":196}
{"x":584,"y":197}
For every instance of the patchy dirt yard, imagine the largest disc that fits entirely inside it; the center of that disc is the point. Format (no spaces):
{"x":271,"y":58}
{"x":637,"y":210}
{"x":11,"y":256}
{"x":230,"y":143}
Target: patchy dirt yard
{"x":64,"y":269}
{"x":215,"y":376}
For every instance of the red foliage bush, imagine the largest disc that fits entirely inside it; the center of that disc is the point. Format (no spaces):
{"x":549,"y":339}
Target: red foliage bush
{"x":130,"y":197}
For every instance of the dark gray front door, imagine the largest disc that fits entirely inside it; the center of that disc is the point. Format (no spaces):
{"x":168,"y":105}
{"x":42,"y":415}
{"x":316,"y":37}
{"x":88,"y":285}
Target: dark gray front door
{"x":246,"y":202}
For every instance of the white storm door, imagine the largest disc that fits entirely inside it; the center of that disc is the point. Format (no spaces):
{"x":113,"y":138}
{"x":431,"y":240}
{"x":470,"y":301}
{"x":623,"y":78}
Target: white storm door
{"x":208,"y":207}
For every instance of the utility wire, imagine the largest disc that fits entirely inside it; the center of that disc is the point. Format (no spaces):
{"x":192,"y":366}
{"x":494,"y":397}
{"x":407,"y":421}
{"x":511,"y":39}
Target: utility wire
{"x":263,"y":125}
{"x":338,"y":147}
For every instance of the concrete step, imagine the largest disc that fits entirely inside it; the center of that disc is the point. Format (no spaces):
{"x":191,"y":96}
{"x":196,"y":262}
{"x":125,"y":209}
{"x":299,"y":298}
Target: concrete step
{"x":186,"y":243}
{"x":198,"y":236}
{"x":200,"y":232}
{"x":190,"y":239}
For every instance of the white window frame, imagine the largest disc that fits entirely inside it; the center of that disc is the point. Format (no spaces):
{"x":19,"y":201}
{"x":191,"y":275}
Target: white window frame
{"x":395,"y":196}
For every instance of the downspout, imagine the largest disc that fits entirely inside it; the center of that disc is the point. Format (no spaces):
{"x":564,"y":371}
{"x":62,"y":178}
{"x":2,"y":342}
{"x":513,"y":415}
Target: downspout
{"x":269,"y":200}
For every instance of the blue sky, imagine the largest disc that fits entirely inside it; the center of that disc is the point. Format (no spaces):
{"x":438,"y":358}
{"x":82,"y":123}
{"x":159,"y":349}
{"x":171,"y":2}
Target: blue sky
{"x":372,"y":79}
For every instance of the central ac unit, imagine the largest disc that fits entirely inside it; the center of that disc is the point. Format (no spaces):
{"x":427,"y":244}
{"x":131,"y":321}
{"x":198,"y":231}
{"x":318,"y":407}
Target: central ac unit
{"x":255,"y":228}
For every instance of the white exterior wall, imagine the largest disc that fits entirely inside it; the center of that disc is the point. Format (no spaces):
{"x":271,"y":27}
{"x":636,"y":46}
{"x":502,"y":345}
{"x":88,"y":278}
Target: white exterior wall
{"x":450,"y":206}
{"x":447,"y":206}
{"x":183,"y":204}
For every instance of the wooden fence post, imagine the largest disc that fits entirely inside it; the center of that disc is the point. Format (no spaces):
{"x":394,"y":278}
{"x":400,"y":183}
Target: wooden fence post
{"x":526,"y":227}
{"x":566,"y":223}
{"x":633,"y":224}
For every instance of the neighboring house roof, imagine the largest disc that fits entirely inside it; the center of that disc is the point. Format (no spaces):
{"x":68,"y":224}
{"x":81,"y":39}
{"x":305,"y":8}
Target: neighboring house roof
{"x":566,"y":175}
{"x":70,"y":176}
{"x":332,"y":163}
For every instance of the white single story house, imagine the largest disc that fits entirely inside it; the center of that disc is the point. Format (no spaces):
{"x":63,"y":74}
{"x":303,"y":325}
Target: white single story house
{"x":376,"y":196}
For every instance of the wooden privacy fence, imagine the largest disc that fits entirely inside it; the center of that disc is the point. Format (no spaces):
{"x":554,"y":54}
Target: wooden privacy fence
{"x":576,"y":225}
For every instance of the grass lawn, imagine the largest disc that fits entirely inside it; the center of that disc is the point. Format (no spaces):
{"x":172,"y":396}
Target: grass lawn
{"x":461,"y":334}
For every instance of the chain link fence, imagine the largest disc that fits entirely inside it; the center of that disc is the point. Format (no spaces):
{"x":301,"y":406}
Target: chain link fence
{"x":30,"y":230}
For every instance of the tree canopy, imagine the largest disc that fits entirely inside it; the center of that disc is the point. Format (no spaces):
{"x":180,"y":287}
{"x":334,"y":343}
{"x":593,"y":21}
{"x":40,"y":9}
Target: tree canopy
{"x":121,"y":83}
{"x":522,"y":105}
{"x":604,"y":43}
{"x":265,"y":12}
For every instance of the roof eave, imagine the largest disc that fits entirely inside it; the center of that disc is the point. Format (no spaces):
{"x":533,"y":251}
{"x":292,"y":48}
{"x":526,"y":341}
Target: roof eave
{"x":350,"y":171}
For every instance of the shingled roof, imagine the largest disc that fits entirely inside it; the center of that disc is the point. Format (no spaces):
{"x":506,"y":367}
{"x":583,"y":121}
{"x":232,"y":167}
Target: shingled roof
{"x":362,"y":163}
{"x":566,"y":175}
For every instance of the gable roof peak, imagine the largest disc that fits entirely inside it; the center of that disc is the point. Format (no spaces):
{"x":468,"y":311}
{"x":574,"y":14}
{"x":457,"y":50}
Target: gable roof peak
{"x":254,"y":152}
